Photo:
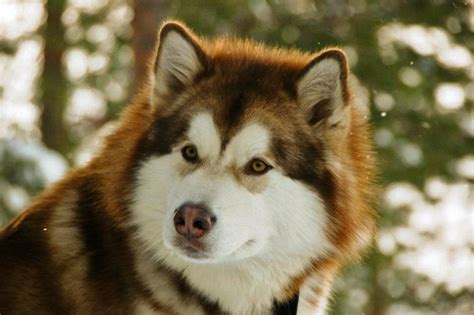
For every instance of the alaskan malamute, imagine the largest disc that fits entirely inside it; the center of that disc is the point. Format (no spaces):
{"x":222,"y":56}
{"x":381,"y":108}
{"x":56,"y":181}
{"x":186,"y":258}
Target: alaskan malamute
{"x":239,"y":181}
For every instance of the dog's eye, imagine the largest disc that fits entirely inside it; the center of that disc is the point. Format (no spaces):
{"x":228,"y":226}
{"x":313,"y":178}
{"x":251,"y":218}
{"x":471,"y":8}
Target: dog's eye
{"x":190,"y":153}
{"x":258,"y":167}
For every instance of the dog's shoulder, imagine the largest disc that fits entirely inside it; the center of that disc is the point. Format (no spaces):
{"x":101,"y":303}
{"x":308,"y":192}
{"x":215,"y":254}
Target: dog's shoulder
{"x":62,"y":254}
{"x":25,"y":263}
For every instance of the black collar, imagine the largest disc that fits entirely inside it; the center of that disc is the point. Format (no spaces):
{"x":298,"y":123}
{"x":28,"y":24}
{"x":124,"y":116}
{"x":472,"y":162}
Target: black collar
{"x":286,"y":308}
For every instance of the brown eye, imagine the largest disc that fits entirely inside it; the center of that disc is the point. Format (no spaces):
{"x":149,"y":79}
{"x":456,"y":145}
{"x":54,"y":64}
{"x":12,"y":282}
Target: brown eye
{"x":189,"y":153}
{"x":258,"y":167}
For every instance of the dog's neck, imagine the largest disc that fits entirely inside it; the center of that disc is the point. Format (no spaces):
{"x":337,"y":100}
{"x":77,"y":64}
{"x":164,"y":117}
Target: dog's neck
{"x":251,"y":286}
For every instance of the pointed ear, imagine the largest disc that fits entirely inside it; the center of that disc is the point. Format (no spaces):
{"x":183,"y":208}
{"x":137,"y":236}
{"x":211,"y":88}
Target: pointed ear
{"x":322,"y":89}
{"x":179,"y":60}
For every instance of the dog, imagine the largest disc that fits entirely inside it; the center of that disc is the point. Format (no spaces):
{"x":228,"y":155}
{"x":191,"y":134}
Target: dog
{"x":240,"y":180}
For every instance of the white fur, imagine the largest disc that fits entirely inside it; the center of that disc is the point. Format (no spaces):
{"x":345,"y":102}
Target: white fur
{"x":177,"y":59}
{"x":285,"y":223}
{"x":164,"y":290}
{"x":252,"y":141}
{"x":322,"y":81}
{"x":313,"y":296}
{"x":204,"y":135}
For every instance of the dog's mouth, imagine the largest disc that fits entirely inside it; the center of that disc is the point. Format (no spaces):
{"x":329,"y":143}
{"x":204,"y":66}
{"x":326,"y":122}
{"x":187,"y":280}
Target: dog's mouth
{"x":193,"y":249}
{"x":194,"y":253}
{"x":198,"y":251}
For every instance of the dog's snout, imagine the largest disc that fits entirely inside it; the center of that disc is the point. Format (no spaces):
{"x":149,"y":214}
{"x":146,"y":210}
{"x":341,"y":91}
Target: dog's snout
{"x":193,"y":221}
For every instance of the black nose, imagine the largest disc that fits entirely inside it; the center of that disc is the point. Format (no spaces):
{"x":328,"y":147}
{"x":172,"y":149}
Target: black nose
{"x":193,"y":221}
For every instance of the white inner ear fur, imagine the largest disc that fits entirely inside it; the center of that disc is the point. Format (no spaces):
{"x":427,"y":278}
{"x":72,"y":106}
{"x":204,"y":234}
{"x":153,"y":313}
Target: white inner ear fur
{"x":322,"y":81}
{"x":177,"y":60}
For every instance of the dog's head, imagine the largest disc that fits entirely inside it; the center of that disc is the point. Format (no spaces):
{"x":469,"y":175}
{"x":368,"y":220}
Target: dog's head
{"x":238,"y":161}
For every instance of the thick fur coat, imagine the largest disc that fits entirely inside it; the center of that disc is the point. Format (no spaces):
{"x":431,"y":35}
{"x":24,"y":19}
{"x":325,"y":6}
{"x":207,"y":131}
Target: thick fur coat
{"x":239,"y":178}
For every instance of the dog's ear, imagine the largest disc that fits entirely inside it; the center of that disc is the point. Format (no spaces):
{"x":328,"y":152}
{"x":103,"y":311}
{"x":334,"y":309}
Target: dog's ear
{"x":179,"y":60}
{"x":322,"y":90}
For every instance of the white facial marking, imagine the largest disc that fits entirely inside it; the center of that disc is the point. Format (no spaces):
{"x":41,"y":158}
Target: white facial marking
{"x":252,"y":141}
{"x":204,"y":135}
{"x":259,"y":241}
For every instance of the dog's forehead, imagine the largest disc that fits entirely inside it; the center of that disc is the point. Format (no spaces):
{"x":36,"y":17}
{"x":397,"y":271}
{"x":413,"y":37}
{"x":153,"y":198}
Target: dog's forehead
{"x":250,"y":138}
{"x":204,"y":133}
{"x":247,"y":119}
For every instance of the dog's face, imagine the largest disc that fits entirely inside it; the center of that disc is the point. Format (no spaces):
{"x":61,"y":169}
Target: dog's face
{"x":217,"y":201}
{"x":234,"y":165}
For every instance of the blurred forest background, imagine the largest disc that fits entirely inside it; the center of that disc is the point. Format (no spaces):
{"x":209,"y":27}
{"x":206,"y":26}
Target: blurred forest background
{"x":67,"y":68}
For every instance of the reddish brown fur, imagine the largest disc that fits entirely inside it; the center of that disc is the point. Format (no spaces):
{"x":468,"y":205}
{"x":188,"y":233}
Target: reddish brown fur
{"x":351,"y":205}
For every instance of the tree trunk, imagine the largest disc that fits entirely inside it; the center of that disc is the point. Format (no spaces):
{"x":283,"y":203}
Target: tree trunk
{"x":149,"y":14}
{"x":53,"y":83}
